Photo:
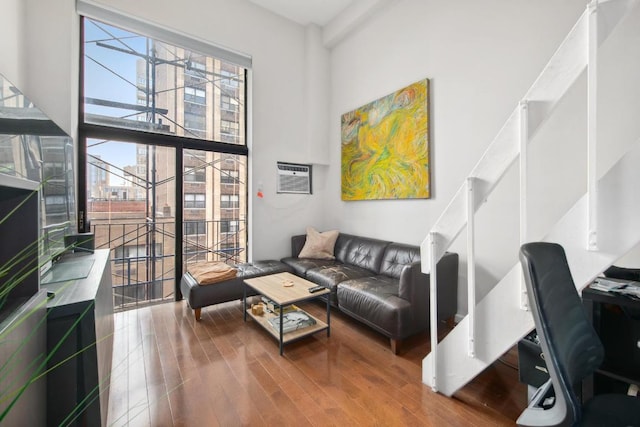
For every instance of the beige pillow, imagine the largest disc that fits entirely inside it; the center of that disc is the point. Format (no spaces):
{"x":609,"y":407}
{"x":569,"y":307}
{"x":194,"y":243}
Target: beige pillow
{"x":319,"y":245}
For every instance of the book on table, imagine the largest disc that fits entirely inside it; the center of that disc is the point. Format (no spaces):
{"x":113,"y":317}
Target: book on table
{"x":292,"y":321}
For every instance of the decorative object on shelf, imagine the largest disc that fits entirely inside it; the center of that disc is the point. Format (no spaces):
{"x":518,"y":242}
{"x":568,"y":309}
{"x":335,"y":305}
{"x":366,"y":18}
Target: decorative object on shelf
{"x":257,"y":309}
{"x":292,"y":321}
{"x":385,"y":147}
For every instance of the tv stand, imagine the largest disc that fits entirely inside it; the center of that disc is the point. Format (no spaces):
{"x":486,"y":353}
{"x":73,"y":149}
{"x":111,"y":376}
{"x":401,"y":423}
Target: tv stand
{"x":80,"y":329}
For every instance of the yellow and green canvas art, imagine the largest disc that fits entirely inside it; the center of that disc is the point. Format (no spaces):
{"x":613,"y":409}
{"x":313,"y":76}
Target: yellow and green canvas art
{"x":385,"y":147}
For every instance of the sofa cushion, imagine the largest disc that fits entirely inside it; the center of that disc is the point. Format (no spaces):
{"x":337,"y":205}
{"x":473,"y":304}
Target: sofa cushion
{"x":253,"y":269}
{"x":374,"y":301}
{"x":364,"y":252}
{"x":330,"y":276}
{"x":396,"y":257}
{"x":300,"y":266}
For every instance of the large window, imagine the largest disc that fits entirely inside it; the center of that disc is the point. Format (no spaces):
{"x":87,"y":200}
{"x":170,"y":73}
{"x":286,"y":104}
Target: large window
{"x":136,"y":82}
{"x":163,"y":128}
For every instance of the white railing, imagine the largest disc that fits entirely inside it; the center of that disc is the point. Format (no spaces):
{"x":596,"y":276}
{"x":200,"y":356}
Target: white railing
{"x":577,"y":51}
{"x":524,"y":173}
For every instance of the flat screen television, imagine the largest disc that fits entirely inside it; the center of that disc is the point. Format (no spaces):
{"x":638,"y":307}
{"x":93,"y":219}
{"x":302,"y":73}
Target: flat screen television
{"x":19,"y":249}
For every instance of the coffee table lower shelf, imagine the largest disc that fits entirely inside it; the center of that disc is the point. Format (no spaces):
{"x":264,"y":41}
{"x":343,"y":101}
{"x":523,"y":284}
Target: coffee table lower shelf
{"x":263,"y":320}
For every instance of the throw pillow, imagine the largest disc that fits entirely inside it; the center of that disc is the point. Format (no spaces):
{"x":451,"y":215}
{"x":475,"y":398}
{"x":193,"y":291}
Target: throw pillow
{"x":319,"y":245}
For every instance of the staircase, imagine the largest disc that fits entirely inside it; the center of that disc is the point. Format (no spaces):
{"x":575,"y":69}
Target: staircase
{"x":602,"y":225}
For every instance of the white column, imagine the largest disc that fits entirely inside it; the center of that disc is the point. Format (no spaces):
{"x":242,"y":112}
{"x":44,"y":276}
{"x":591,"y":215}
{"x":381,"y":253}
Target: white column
{"x":524,"y":140}
{"x":471,"y":266}
{"x":433,"y":308}
{"x":592,"y":92}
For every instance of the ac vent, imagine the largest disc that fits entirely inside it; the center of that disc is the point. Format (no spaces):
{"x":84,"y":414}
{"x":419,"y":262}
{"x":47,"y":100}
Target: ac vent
{"x":294,"y":178}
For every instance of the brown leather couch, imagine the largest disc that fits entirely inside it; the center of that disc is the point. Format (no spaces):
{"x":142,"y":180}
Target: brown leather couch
{"x":380,"y":283}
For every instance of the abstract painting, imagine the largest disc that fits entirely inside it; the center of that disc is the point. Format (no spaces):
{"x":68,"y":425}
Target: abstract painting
{"x":385,"y":147}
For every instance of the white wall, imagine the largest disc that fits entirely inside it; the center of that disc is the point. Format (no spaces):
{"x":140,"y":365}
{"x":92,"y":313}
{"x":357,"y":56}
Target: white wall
{"x":11,"y":41}
{"x":481,"y":58}
{"x":38,"y":42}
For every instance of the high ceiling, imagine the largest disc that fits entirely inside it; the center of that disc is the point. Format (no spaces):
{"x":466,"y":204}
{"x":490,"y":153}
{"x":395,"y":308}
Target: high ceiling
{"x":304,"y":12}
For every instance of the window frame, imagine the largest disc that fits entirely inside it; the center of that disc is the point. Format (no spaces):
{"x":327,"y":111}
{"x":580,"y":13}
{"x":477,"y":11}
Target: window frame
{"x":88,"y":131}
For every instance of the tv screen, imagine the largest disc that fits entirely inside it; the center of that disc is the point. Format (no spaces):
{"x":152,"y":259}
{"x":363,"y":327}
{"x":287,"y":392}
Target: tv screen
{"x":19,"y":231}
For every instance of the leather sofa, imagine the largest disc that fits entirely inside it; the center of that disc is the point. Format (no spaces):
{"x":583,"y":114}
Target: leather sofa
{"x":380,"y":283}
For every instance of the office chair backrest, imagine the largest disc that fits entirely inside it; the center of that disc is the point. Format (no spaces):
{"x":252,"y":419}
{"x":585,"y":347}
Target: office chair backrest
{"x":571,"y":346}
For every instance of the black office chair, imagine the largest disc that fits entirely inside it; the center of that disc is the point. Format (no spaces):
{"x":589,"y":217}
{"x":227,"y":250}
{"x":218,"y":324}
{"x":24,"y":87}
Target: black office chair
{"x":571,"y":347}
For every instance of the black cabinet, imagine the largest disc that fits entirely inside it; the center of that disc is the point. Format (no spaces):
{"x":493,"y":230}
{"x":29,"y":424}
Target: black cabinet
{"x":532,"y":369}
{"x":80,"y":340}
{"x":22,"y":346}
{"x":616,"y":319}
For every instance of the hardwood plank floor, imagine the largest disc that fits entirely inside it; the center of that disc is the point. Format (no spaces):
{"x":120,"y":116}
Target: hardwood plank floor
{"x":169,"y":370}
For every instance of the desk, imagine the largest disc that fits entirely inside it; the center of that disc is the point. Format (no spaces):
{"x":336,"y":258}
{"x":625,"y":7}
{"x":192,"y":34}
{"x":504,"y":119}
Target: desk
{"x":80,"y":319}
{"x":616,"y":319}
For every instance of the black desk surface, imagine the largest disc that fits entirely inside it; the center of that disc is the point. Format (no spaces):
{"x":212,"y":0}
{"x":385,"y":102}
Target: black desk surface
{"x":610,"y":297}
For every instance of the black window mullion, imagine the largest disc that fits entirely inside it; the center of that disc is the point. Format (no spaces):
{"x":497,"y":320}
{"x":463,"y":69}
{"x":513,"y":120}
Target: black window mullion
{"x":119,"y":134}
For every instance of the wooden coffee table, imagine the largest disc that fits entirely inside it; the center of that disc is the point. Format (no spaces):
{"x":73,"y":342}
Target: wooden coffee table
{"x":296,"y":290}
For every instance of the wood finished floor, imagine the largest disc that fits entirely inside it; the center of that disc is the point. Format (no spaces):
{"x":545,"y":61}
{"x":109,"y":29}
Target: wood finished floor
{"x":169,"y":370}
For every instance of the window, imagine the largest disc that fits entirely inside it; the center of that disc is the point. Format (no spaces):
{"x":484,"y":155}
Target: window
{"x":229,"y":127}
{"x":229,"y":176}
{"x":229,"y":226}
{"x":132,"y":81}
{"x":229,"y":201}
{"x":229,"y":79}
{"x":191,"y":94}
{"x":195,"y":227}
{"x":194,"y":201}
{"x":228,"y":130}
{"x":134,"y":252}
{"x":194,"y":174}
{"x":145,"y":103}
{"x":195,"y":67}
{"x":194,"y":122}
{"x":228,"y":103}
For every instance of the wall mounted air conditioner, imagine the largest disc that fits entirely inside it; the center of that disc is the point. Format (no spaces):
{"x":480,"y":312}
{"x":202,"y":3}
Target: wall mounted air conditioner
{"x":294,"y":178}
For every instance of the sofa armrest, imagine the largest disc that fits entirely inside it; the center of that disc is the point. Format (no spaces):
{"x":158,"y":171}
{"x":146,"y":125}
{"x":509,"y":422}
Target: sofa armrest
{"x":414,"y":286}
{"x":297,"y":243}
